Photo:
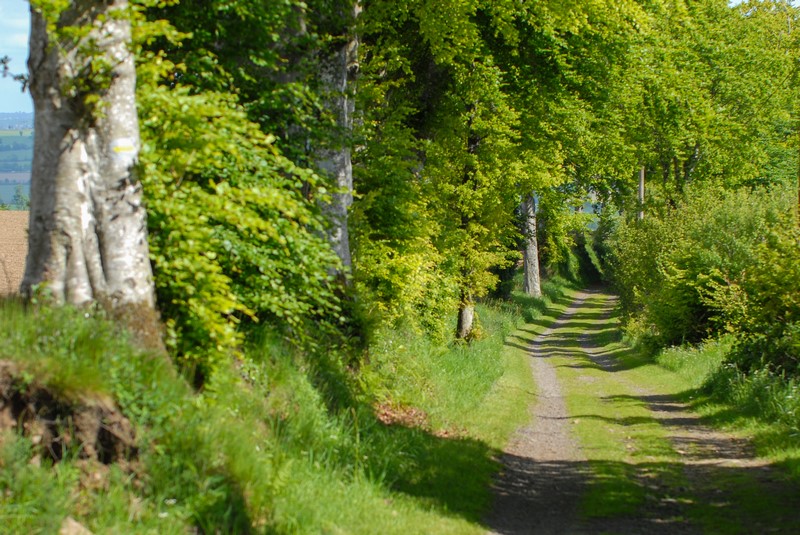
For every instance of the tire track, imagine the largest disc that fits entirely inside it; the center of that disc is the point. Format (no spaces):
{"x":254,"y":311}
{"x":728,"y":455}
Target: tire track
{"x":546,"y":472}
{"x":534,"y":493}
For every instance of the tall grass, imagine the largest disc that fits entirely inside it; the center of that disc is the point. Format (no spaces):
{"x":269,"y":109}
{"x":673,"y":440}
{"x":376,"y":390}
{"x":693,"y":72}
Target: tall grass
{"x":285,"y":440}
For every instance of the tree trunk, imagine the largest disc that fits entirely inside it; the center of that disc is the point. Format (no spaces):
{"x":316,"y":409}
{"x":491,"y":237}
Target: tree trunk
{"x":640,"y":215}
{"x":338,"y":72}
{"x":466,"y":309}
{"x":466,"y":318}
{"x":531,"y":284}
{"x":87,"y":233}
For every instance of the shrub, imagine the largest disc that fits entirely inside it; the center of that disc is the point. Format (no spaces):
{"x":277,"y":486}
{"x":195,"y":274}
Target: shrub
{"x":671,"y":268}
{"x":232,"y":237}
{"x":766,"y":307}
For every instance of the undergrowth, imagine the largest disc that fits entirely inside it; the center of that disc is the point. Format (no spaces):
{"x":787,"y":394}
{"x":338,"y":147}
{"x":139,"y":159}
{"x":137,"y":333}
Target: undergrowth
{"x":284,"y":440}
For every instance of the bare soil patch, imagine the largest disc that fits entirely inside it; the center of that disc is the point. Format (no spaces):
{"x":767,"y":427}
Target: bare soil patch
{"x":13,"y":249}
{"x":94,"y":427}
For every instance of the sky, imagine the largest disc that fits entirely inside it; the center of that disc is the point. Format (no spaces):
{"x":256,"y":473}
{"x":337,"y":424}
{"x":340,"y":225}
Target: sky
{"x":14,"y":24}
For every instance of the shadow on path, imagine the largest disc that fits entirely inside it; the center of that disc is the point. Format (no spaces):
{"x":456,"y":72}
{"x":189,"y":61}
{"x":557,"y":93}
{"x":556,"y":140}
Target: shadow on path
{"x":538,"y":491}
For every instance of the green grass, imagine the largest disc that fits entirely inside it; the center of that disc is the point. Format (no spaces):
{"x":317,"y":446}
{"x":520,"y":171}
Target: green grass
{"x":761,"y":405}
{"x":477,"y":394}
{"x":626,"y":448}
{"x":287,"y":441}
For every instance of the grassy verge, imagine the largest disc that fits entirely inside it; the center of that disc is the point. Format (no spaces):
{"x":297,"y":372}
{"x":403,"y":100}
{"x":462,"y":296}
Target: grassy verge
{"x":285,"y":442}
{"x":476,"y":395}
{"x":763,"y":406}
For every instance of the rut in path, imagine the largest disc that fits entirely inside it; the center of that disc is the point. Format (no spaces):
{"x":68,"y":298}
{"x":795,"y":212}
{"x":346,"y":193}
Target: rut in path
{"x":546,"y":473}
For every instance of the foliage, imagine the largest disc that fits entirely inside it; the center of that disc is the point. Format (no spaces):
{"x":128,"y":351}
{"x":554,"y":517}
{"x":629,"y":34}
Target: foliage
{"x":764,"y":308}
{"x":264,"y":54}
{"x":231,"y":236}
{"x":400,"y":273}
{"x":459,"y":123}
{"x":668,"y":266}
{"x":455,"y":123}
{"x":20,"y":201}
{"x":716,"y":82}
{"x":462,"y":108}
{"x":562,"y":226}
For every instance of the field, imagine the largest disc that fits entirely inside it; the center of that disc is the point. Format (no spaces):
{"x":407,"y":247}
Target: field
{"x":13,"y":248}
{"x":16,"y":150}
{"x":26,"y":133}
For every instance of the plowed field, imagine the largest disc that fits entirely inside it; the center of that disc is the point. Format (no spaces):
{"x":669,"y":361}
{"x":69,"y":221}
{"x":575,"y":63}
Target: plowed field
{"x":13,"y":248}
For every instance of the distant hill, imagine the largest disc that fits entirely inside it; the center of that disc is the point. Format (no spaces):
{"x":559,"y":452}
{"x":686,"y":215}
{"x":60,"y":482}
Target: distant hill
{"x":16,"y":121}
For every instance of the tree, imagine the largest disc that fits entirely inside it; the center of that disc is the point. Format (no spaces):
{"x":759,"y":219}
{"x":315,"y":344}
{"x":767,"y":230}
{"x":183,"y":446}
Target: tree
{"x":714,"y":104}
{"x":531,"y":283}
{"x":236,"y":233}
{"x":292,"y":66}
{"x":20,"y":200}
{"x":338,"y":68}
{"x":88,"y":239}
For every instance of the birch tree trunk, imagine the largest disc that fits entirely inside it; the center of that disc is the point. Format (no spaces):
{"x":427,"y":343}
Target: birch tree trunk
{"x":87,"y":233}
{"x":531,"y":283}
{"x":338,"y":72}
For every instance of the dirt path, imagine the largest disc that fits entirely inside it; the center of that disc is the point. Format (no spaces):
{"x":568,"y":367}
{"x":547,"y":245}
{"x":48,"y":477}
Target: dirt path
{"x":534,"y":493}
{"x":547,"y":474}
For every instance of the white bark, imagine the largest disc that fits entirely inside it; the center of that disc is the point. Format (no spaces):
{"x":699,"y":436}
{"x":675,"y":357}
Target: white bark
{"x":338,"y":72}
{"x":466,"y":320}
{"x":88,"y":240}
{"x":531,"y":283}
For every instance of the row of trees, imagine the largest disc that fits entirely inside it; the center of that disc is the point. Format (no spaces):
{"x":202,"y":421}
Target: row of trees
{"x":322,"y":161}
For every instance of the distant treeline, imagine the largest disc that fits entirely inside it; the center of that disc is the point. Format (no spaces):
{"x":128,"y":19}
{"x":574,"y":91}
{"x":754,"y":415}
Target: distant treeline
{"x":15,"y":166}
{"x":16,"y":152}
